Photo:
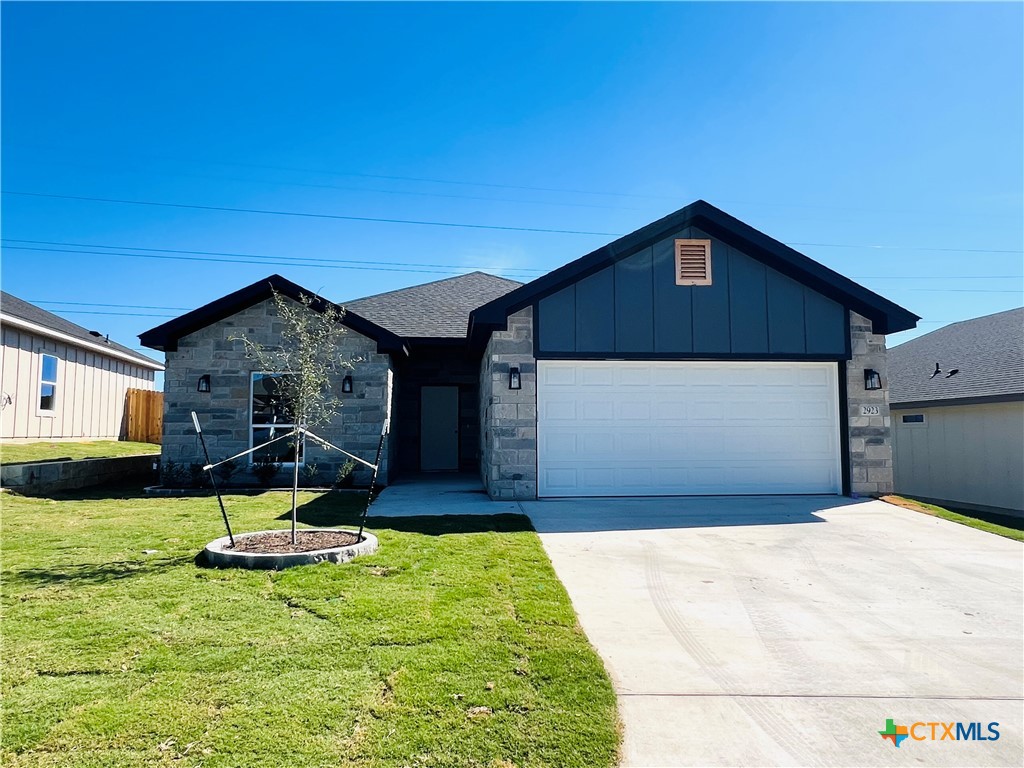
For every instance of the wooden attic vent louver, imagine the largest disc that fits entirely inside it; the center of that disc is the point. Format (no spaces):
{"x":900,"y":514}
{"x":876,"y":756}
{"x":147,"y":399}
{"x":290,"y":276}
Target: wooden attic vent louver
{"x":693,"y":262}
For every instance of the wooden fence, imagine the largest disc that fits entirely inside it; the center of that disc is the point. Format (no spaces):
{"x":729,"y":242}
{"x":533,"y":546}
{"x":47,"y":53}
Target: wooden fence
{"x":145,"y":415}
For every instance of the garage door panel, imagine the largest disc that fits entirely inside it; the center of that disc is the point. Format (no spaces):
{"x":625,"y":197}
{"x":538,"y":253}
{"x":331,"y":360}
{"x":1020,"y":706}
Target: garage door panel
{"x":681,"y":428}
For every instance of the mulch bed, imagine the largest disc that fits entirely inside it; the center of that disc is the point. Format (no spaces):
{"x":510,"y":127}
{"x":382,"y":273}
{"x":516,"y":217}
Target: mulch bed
{"x":281,"y":541}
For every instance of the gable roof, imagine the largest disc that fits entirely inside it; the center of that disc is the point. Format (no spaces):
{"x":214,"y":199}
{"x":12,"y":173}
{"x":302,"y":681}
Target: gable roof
{"x":989,"y":351}
{"x":885,"y":316}
{"x":13,"y":310}
{"x":439,"y":309}
{"x":165,"y":337}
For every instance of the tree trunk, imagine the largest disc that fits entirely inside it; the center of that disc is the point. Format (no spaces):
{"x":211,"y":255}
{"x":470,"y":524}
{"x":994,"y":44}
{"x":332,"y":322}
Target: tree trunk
{"x":295,"y":484}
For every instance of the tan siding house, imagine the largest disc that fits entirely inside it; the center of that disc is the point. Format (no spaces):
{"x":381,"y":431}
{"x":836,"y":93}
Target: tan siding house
{"x":957,"y":401}
{"x":61,"y":382}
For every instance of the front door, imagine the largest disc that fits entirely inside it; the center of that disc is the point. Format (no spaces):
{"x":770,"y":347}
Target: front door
{"x":439,"y":429}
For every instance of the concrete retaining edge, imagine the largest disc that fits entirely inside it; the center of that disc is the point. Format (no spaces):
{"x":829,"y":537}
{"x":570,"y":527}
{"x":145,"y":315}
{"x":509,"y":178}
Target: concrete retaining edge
{"x":218,"y":555}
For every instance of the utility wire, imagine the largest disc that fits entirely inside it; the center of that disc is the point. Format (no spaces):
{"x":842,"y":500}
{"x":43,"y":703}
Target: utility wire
{"x":123,"y":314}
{"x":294,"y":263}
{"x":337,"y":266}
{"x":490,"y":185}
{"x":453,"y":267}
{"x":97,"y":304}
{"x":188,"y":309}
{"x":257,"y":256}
{"x":428,"y":223}
{"x":309,"y":215}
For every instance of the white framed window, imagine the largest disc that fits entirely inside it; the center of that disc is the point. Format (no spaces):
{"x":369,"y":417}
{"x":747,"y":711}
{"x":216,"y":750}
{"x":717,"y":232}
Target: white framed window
{"x":47,"y":384}
{"x":270,"y":417}
{"x":914,"y":420}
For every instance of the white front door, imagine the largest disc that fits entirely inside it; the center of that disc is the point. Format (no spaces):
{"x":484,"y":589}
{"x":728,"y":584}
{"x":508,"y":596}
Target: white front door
{"x":646,"y":428}
{"x":439,"y":428}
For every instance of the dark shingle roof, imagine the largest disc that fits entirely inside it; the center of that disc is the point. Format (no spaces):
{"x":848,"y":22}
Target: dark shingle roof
{"x":439,"y":309}
{"x":15,"y":307}
{"x":989,"y":351}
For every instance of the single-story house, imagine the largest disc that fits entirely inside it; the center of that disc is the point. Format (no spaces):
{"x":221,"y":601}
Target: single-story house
{"x":957,"y":398}
{"x":693,"y":356}
{"x":61,"y":381}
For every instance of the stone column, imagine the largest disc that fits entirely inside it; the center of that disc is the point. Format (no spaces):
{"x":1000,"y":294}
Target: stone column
{"x":508,"y":433}
{"x":870,"y":433}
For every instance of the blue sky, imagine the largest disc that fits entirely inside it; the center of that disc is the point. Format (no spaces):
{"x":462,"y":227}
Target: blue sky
{"x":837,"y":125}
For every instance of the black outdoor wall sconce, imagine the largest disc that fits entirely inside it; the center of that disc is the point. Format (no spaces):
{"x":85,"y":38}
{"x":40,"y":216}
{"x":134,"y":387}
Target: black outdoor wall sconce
{"x":514,"y":379}
{"x":872,"y":379}
{"x":204,"y":383}
{"x":346,"y":385}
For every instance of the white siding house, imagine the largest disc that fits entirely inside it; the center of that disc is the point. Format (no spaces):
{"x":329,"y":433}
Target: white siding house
{"x":61,"y":382}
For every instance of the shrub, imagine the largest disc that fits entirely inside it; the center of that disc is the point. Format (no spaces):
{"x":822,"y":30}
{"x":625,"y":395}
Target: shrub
{"x":197,"y":477}
{"x":310,"y":474}
{"x":227,"y":470}
{"x":345,"y":478}
{"x":175,"y":475}
{"x":265,"y":471}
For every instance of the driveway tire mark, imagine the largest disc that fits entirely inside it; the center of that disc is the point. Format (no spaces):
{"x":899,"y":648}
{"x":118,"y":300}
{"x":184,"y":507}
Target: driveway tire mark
{"x":777,"y":728}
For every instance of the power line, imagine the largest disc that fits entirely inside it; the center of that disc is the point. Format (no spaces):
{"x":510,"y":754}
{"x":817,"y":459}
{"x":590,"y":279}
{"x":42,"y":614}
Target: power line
{"x":490,"y":185}
{"x":372,"y":190}
{"x":427,"y":223}
{"x":337,"y":266}
{"x":939,"y":277}
{"x":122,"y":314}
{"x":295,"y":262}
{"x":967,"y":290}
{"x":903,"y":248}
{"x":457,"y":267}
{"x":309,"y":215}
{"x":97,"y":304}
{"x":454,"y":267}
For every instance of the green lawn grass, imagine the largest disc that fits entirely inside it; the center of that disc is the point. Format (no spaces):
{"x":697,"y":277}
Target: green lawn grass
{"x":956,"y":517}
{"x":12,"y":453}
{"x":117,"y":658}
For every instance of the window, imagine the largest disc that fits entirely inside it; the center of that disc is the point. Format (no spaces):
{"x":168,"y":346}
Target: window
{"x":48,"y":384}
{"x":271,"y":418}
{"x":913,"y":418}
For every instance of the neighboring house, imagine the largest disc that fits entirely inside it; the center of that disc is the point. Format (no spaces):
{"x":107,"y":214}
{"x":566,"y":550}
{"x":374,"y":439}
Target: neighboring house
{"x":959,"y":437}
{"x":694,"y":356}
{"x":61,"y":381}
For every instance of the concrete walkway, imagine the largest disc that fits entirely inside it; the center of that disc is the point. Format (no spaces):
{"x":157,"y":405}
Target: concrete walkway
{"x":439,"y":494}
{"x":786,"y":631}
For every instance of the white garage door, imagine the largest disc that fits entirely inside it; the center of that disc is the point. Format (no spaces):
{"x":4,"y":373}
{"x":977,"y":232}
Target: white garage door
{"x":616,"y":428}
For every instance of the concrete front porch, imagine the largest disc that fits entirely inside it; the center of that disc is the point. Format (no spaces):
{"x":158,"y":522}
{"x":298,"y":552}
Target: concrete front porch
{"x":440,"y":493}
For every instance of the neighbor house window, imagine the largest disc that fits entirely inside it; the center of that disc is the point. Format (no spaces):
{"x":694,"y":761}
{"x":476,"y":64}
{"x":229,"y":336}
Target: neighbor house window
{"x":48,"y":384}
{"x":271,"y":418}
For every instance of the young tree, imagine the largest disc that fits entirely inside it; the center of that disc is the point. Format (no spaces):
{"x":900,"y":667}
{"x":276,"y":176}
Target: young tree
{"x":307,"y":358}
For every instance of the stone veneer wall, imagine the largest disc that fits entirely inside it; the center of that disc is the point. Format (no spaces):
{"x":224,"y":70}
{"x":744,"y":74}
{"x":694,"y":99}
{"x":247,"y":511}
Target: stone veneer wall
{"x":224,"y":411}
{"x":508,"y":427}
{"x":870,"y":436}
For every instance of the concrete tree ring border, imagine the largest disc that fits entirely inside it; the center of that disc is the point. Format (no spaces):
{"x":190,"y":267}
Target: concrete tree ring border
{"x":218,"y":554}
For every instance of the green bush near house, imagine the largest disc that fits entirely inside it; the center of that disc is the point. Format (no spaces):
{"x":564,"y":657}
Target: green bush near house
{"x":454,"y":645}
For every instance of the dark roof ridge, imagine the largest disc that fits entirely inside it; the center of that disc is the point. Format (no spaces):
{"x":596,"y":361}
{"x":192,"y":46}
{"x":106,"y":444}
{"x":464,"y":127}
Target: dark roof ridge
{"x":887,"y":316}
{"x":165,"y":337}
{"x":431,"y":282}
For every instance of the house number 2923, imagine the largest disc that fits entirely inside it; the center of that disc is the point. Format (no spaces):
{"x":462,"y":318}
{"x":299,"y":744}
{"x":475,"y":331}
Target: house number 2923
{"x":870,"y":410}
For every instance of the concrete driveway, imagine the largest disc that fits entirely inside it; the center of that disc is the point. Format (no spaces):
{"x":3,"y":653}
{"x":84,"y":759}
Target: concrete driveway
{"x":786,"y":631}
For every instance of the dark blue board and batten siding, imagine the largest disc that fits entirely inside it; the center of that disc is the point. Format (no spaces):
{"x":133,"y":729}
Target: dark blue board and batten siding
{"x":634,"y":309}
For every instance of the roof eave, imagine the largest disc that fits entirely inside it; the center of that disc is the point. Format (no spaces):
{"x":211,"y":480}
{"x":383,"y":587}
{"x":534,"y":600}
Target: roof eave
{"x":1010,"y":397}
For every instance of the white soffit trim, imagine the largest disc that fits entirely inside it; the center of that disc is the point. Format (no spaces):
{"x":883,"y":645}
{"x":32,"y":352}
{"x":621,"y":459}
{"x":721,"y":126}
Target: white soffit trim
{"x":17,"y":322}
